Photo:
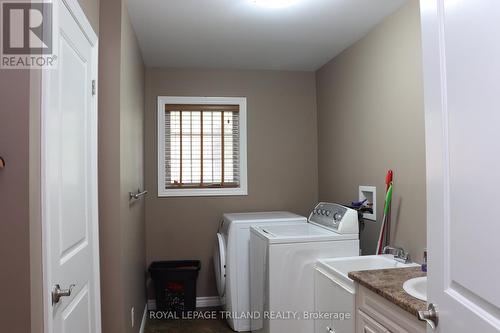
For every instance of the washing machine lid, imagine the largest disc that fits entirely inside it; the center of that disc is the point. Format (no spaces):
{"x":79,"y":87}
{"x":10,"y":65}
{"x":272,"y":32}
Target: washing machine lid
{"x":300,"y":233}
{"x":220,"y":264}
{"x":263,"y":217}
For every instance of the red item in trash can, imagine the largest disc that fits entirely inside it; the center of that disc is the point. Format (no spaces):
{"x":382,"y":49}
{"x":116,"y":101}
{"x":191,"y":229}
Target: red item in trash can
{"x":175,"y":287}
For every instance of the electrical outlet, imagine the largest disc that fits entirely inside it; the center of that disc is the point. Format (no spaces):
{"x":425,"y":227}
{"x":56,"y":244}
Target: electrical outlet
{"x":132,"y":316}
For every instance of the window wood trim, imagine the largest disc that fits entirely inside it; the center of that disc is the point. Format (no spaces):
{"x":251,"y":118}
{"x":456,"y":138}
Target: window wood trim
{"x":202,"y":107}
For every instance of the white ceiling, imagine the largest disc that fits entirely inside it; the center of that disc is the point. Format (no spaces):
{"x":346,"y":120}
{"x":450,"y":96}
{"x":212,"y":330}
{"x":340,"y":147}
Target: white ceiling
{"x":241,"y":34}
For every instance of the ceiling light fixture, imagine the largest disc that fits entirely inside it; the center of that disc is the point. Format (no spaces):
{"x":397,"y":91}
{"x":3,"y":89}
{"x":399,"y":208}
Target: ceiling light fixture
{"x":274,"y":3}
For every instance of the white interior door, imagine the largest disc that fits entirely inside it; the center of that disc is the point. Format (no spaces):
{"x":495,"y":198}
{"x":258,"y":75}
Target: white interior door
{"x":461,"y":48}
{"x":69,"y":178}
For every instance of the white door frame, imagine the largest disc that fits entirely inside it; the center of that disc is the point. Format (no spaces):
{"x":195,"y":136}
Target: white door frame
{"x":82,"y":21}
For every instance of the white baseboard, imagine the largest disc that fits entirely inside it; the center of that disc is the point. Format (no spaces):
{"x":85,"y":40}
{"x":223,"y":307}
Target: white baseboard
{"x":143,"y":321}
{"x":201,"y":302}
{"x":151,"y":304}
{"x":206,"y":302}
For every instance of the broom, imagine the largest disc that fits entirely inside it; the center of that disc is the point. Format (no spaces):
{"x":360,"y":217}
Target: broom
{"x":384,"y":230}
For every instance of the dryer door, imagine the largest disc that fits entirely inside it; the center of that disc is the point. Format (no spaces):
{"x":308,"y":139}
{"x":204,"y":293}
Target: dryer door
{"x":220,"y":264}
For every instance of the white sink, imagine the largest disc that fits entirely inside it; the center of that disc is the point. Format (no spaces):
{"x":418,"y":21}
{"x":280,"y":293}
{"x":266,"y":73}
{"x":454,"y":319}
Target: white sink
{"x":417,"y":287}
{"x":340,"y":267}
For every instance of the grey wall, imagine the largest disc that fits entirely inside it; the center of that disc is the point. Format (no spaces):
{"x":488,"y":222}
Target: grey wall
{"x":91,"y":9}
{"x":370,"y":119}
{"x":112,"y":296}
{"x":132,"y":172}
{"x":121,"y":111}
{"x":282,"y":159}
{"x":14,"y":202}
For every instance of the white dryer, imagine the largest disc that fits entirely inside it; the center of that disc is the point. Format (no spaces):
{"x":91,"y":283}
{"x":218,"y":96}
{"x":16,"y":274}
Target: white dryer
{"x":232,"y":260}
{"x":282,"y":260}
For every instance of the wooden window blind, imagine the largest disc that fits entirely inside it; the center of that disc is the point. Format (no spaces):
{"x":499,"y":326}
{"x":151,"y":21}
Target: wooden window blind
{"x":201,"y":146}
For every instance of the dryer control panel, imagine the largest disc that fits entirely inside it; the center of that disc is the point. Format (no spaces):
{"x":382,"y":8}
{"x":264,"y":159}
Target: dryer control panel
{"x":336,"y":217}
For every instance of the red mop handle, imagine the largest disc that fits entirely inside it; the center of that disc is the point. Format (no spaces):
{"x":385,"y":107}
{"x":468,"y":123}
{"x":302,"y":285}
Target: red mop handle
{"x":388,"y":180}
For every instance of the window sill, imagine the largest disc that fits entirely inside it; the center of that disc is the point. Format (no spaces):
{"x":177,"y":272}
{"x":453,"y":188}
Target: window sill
{"x":202,"y":192}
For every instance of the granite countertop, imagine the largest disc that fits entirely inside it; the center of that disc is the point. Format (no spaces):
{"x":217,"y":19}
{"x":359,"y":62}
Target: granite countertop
{"x":388,"y":283}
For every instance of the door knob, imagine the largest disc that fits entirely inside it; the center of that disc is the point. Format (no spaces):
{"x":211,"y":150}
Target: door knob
{"x":330,"y":330}
{"x":57,"y":293}
{"x":430,"y":316}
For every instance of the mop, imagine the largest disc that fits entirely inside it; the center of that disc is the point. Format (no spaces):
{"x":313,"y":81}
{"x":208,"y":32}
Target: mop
{"x":385,"y":228}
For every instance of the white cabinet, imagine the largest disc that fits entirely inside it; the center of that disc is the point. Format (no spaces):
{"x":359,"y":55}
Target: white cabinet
{"x":375,"y":314}
{"x":336,"y":300}
{"x":324,"y":301}
{"x":367,"y":324}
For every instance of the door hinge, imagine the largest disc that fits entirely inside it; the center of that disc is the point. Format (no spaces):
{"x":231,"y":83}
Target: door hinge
{"x":93,"y":87}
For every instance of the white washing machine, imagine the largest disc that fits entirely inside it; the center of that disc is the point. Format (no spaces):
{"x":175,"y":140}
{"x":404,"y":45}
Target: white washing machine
{"x":232,"y":260}
{"x":282,"y":260}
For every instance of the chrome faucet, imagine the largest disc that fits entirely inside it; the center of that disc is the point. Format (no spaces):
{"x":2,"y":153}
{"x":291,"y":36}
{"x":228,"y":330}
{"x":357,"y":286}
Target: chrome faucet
{"x":399,"y":254}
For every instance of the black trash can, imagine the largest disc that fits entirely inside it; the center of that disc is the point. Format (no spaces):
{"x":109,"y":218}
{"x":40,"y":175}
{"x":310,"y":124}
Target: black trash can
{"x":175,"y":284}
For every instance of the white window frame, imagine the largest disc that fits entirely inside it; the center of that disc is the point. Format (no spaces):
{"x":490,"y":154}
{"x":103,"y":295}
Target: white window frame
{"x":187,"y":192}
